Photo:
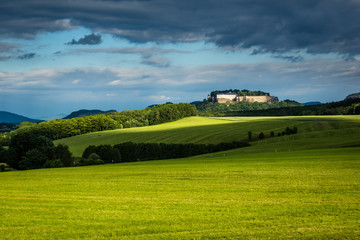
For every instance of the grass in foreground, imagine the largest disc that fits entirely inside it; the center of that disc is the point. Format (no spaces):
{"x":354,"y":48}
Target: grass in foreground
{"x":289,"y":195}
{"x":277,"y":188}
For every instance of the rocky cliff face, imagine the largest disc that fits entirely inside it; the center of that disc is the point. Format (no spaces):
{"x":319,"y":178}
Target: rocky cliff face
{"x":353,"y":96}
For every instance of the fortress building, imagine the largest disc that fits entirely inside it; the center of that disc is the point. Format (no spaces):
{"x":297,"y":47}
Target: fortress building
{"x":234,"y":98}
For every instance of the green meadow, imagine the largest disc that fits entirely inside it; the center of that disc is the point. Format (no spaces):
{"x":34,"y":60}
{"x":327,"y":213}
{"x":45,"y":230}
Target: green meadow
{"x":314,"y":132}
{"x":302,"y":186}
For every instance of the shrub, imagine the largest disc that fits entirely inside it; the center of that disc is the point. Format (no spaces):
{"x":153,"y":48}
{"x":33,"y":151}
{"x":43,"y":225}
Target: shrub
{"x":94,"y":156}
{"x":93,"y":159}
{"x":90,"y":149}
{"x":53,"y":163}
{"x":261,"y":135}
{"x":295,"y":130}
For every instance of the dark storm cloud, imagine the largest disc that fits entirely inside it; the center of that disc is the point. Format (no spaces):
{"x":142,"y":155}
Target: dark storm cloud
{"x":130,"y":50}
{"x":7,"y":47}
{"x":92,"y":39}
{"x":278,"y":26}
{"x":148,"y":55}
{"x":290,"y":58}
{"x":27,"y":56}
{"x":4,"y":58}
{"x":156,"y":61}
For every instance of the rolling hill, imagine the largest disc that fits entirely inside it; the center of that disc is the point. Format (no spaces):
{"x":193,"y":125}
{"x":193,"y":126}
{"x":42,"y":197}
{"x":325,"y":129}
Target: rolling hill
{"x":8,"y":117}
{"x":313,"y":133}
{"x":85,"y":112}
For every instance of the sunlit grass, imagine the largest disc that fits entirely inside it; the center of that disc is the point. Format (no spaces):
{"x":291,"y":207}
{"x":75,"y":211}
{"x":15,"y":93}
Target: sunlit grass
{"x":302,"y":186}
{"x":213,"y":130}
{"x":304,"y":194}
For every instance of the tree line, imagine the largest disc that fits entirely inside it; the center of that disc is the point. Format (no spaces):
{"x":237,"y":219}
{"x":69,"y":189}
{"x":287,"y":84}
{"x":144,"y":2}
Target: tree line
{"x":131,"y":152}
{"x":282,"y":108}
{"x":7,"y":127}
{"x":206,"y":108}
{"x":62,"y":128}
{"x":243,"y":92}
{"x":31,"y":151}
{"x":261,"y":135}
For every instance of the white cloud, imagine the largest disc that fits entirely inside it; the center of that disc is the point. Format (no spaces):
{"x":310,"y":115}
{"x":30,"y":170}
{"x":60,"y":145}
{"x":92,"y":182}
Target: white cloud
{"x":115,"y":83}
{"x":160,"y":98}
{"x":321,"y":80}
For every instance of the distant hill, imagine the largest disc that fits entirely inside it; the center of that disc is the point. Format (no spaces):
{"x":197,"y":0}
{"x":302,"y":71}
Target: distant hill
{"x":153,"y":105}
{"x":353,"y":96}
{"x":8,"y":117}
{"x":52,"y":117}
{"x":195,"y":102}
{"x":85,"y":112}
{"x":311,"y":103}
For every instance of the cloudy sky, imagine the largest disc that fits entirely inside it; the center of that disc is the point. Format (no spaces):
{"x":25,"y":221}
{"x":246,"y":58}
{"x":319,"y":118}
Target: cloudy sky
{"x":61,"y":56}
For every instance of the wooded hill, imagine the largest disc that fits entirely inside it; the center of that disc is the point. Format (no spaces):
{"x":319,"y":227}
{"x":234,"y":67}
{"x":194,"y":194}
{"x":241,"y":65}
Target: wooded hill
{"x":85,"y":113}
{"x":243,"y":92}
{"x":56,"y":129}
{"x":282,"y":108}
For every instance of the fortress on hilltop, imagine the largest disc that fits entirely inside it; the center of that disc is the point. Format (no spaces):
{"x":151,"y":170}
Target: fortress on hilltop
{"x":234,"y":96}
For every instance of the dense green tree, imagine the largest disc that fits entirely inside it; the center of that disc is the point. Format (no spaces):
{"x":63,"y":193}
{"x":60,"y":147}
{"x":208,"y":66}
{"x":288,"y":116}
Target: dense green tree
{"x":261,"y":135}
{"x":33,"y":159}
{"x":108,"y":154}
{"x":283,"y":108}
{"x":29,"y":151}
{"x":90,"y":149}
{"x":53,"y":163}
{"x":94,"y":156}
{"x":93,"y":159}
{"x":150,"y":151}
{"x":3,"y":155}
{"x":23,"y":142}
{"x":62,"y":153}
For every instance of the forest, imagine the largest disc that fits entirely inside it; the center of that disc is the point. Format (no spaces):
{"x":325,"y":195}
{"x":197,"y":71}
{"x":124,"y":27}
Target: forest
{"x":281,"y":108}
{"x":62,"y":128}
{"x":30,"y":151}
{"x":243,"y":92}
{"x":206,"y":108}
{"x":131,"y":152}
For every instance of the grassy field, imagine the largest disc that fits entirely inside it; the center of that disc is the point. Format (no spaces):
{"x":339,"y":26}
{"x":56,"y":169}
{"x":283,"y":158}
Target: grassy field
{"x":303,"y":186}
{"x":314,"y":132}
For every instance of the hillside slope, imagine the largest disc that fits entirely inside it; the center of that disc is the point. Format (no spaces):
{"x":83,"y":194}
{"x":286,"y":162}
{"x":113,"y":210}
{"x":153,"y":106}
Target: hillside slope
{"x":310,"y":194}
{"x":8,"y":117}
{"x":85,"y":112}
{"x":326,"y":131}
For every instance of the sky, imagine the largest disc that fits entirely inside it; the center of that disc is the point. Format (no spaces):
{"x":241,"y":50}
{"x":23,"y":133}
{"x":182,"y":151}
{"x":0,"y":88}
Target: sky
{"x":61,"y":56}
